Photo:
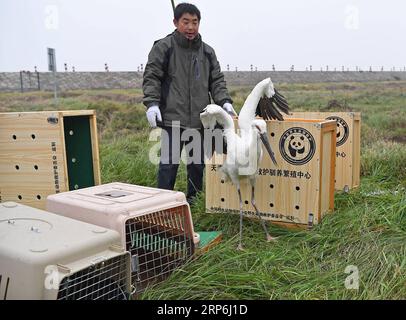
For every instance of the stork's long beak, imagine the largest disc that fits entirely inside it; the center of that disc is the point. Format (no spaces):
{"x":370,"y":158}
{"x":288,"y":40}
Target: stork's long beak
{"x":265,"y":141}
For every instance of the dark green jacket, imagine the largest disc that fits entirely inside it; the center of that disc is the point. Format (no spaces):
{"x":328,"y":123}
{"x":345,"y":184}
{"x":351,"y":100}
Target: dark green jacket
{"x":180,"y":77}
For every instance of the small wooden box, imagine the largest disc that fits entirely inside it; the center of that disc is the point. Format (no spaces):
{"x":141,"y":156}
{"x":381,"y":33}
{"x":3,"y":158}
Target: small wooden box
{"x":296,"y":192}
{"x":348,"y":145}
{"x":47,"y":152}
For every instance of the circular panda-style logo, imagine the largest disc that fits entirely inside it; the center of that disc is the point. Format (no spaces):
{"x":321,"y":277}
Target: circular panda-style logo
{"x":342,"y":130}
{"x":297,"y":146}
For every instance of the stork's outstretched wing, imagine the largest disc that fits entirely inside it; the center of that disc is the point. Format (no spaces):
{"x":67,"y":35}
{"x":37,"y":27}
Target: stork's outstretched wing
{"x":215,"y":120}
{"x":271,"y":108}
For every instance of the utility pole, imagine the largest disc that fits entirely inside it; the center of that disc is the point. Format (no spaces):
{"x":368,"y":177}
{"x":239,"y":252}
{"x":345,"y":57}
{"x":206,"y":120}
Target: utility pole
{"x":52,"y":67}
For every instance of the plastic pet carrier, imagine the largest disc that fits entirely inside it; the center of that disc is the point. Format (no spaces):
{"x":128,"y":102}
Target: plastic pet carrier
{"x":155,"y":225}
{"x":47,"y":256}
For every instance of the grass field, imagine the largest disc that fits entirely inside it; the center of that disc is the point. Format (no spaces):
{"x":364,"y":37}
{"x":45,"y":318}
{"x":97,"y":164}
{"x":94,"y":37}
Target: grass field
{"x":367,"y":229}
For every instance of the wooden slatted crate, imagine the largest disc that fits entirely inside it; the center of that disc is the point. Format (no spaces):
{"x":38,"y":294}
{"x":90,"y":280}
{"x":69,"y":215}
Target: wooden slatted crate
{"x":348,"y":145}
{"x":47,"y":152}
{"x":299,"y":191}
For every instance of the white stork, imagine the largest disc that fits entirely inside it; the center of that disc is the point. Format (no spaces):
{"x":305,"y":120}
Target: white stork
{"x":244,"y":152}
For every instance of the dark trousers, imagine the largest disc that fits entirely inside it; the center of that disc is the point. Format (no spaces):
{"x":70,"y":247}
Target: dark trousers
{"x":172,"y":141}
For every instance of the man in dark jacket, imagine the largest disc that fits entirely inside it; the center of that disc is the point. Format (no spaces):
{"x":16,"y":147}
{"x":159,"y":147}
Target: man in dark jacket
{"x":180,"y":79}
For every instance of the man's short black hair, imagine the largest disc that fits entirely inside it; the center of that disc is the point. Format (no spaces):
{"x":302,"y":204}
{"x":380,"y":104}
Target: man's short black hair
{"x":183,"y":8}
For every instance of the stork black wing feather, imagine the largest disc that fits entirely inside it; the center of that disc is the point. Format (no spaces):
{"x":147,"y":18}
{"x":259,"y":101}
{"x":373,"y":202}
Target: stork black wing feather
{"x":261,"y":110}
{"x":277,"y":114}
{"x":271,"y":108}
{"x":268,"y":108}
{"x":280,"y":105}
{"x":281,"y":102}
{"x":281,"y":97}
{"x":217,"y":134}
{"x":264,"y":110}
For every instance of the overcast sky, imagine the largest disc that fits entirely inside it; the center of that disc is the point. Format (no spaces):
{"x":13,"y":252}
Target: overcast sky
{"x":88,"y":33}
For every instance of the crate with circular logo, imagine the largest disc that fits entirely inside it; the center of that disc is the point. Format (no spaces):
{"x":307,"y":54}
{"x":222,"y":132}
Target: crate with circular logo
{"x":347,"y":173}
{"x":299,"y":190}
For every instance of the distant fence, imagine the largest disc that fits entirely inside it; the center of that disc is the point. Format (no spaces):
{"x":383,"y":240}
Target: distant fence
{"x":11,"y":81}
{"x":16,"y":81}
{"x":29,"y":81}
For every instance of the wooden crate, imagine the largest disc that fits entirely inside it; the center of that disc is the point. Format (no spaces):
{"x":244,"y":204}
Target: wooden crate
{"x":348,"y":145}
{"x":299,"y":191}
{"x":47,"y":152}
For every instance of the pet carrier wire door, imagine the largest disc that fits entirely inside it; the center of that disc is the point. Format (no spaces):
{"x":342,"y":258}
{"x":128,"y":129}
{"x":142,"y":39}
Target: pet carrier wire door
{"x":155,"y":225}
{"x":46,"y":256}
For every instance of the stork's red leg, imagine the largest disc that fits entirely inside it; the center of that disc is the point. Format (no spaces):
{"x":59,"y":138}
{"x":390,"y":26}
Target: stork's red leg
{"x":268,"y":236}
{"x":240,"y":247}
